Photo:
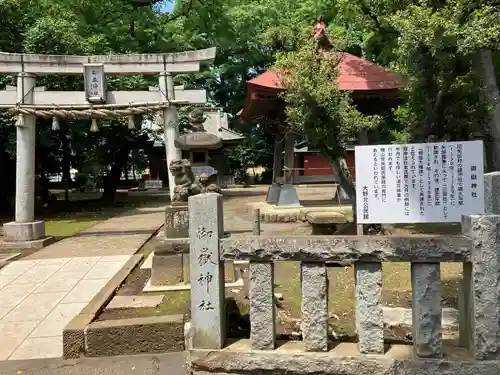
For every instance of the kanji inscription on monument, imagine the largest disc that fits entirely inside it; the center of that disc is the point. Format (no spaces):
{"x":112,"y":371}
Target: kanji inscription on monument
{"x":95,"y":83}
{"x":207,"y":271}
{"x":419,"y":183}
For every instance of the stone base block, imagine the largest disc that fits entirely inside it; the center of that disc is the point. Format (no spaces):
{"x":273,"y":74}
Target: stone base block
{"x":177,"y":220}
{"x":167,"y":269}
{"x":343,"y":359}
{"x":19,"y":232}
{"x":169,"y":246}
{"x":273,"y":193}
{"x":156,"y":334}
{"x":27,"y":245}
{"x":288,"y":197}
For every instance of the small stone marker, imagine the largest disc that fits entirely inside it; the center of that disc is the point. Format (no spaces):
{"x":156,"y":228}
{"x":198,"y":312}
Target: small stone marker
{"x":207,"y":271}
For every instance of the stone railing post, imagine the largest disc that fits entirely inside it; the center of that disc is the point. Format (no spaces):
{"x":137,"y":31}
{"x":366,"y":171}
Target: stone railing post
{"x":206,"y":228}
{"x":479,"y":328}
{"x":314,"y":306}
{"x":426,"y":310}
{"x":262,"y":310}
{"x":369,"y":302}
{"x":465,"y":296}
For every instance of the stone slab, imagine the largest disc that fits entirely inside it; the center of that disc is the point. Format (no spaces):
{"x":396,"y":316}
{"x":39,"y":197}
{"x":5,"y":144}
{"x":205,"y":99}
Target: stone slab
{"x":341,"y":360}
{"x":148,"y":263}
{"x":28,"y":245}
{"x":167,"y":269}
{"x":400,"y":316}
{"x":21,"y":232}
{"x":132,"y":336}
{"x":350,"y":249}
{"x":38,"y":347}
{"x":270,"y":213}
{"x":167,"y":246}
{"x":325,"y":217}
{"x":149,"y":288}
{"x":73,"y":332}
{"x":126,"y":302}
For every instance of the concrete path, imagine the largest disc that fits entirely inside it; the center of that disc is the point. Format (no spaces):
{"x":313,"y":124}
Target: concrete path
{"x":41,"y":293}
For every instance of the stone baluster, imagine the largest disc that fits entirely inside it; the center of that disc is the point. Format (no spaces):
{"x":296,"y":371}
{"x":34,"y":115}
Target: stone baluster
{"x":491,"y":206}
{"x":314,"y":306}
{"x":426,"y":310}
{"x":369,"y":302}
{"x":262,"y":310}
{"x":207,"y":271}
{"x":480,"y":331}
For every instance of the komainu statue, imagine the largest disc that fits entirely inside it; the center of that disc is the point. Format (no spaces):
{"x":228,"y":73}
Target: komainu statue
{"x":187,"y":184}
{"x":196,"y":120}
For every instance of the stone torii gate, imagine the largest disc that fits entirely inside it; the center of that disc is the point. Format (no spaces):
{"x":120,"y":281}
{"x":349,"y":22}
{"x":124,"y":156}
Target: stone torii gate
{"x":28,"y":101}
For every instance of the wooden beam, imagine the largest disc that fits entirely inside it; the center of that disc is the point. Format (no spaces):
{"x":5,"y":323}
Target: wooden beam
{"x":8,"y":98}
{"x":180,"y":62}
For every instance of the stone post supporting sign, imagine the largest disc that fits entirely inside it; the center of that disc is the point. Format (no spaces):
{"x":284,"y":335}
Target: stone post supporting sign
{"x":207,"y":271}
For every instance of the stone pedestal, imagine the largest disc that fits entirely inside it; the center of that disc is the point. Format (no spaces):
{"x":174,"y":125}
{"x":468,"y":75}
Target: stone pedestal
{"x":31,"y":231}
{"x":288,"y":197}
{"x":273,"y":193}
{"x":170,"y":256}
{"x":177,"y":221}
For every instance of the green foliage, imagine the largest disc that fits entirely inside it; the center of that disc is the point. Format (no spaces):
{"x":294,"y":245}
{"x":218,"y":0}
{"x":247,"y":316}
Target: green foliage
{"x":314,"y":104}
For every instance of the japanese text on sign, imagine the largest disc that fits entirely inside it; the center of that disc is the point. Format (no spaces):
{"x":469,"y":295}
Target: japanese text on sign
{"x":418,"y":183}
{"x":205,"y":278}
{"x":95,"y":83}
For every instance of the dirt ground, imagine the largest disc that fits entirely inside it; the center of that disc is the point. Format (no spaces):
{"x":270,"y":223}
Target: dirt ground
{"x":238,"y":221}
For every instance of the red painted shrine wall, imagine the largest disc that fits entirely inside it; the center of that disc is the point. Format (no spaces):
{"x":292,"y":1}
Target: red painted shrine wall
{"x":317,"y":161}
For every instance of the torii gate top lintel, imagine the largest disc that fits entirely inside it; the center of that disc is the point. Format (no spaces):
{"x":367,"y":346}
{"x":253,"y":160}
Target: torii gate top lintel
{"x":178,"y":62}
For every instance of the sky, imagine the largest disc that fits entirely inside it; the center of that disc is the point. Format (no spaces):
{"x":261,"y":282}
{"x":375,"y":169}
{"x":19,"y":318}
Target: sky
{"x":166,"y":6}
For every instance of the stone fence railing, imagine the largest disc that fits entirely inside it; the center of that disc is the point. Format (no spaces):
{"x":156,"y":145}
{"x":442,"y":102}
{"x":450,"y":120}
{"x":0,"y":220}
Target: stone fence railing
{"x":478,"y":248}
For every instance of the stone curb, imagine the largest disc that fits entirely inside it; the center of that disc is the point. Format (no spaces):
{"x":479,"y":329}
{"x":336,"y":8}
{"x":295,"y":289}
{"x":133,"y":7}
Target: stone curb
{"x":74,"y":332}
{"x":205,"y":362}
{"x":154,"y":334}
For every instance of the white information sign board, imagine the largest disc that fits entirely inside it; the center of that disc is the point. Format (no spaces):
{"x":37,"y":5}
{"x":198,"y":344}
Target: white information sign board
{"x":419,"y":183}
{"x":95,"y":83}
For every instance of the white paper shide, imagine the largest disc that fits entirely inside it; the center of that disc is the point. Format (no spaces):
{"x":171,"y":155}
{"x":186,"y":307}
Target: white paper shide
{"x":419,"y":183}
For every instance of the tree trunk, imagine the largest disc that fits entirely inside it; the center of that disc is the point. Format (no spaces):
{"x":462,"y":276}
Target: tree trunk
{"x":113,"y":178}
{"x":486,"y":71}
{"x":66,"y":162}
{"x":346,"y":181}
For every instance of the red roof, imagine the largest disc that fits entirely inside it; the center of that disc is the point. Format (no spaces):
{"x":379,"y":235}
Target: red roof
{"x":355,"y":74}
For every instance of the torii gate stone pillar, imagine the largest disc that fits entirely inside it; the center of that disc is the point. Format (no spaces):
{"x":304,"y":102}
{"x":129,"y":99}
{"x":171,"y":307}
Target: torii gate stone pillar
{"x":25,"y":228}
{"x":170,"y":126}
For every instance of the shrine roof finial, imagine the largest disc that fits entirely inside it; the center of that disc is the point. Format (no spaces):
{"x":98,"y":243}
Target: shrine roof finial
{"x":319,"y":34}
